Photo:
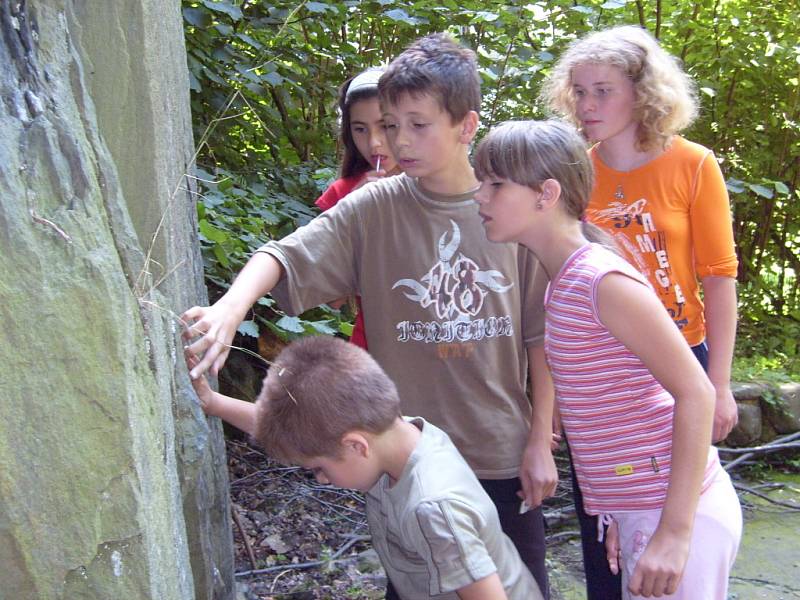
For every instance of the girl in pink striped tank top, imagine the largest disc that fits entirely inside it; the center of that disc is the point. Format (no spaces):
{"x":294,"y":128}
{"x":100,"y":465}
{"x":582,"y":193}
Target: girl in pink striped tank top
{"x":635,"y":403}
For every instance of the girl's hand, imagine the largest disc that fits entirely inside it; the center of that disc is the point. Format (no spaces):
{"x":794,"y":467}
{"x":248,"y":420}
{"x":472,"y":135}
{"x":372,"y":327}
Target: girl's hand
{"x":612,"y":547}
{"x":660,"y":568}
{"x":370,"y":176}
{"x":726,"y":413}
{"x":200,"y":384}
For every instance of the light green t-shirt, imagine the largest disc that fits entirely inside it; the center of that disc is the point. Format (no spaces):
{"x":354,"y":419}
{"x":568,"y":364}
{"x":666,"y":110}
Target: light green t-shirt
{"x":447,"y":314}
{"x":437,"y":531}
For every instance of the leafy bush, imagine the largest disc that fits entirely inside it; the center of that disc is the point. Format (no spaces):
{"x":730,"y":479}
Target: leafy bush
{"x":264,"y":77}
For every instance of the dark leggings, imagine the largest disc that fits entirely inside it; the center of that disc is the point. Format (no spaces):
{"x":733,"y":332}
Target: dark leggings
{"x":526,"y":530}
{"x":601,"y":583}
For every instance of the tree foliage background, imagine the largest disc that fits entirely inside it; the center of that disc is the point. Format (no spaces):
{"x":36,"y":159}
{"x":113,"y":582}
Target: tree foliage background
{"x":264,"y":76}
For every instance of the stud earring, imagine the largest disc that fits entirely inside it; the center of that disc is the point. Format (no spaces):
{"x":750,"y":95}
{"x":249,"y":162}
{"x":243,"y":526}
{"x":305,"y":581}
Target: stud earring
{"x":539,"y":205}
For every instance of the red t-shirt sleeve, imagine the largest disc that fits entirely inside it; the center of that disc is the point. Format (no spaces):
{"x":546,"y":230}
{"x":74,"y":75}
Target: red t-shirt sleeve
{"x":336,"y":191}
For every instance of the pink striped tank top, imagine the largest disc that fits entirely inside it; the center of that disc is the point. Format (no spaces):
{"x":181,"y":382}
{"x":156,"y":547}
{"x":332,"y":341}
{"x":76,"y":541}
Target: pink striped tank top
{"x":617,"y":417}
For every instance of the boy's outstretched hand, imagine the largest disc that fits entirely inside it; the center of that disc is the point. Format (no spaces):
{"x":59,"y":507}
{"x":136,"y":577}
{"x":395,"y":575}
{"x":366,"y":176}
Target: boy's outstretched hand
{"x":216,"y":325}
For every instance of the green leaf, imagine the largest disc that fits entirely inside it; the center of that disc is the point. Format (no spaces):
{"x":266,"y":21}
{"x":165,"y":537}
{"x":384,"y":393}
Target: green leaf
{"x":583,"y":9}
{"x":398,"y":14}
{"x":612,"y":4}
{"x":322,"y":327}
{"x":292,"y":324}
{"x":249,"y":40}
{"x":197,"y":17}
{"x":214,"y":77}
{"x":212,"y":200}
{"x":710,"y":92}
{"x":781,"y":188}
{"x":735,"y":186}
{"x":194,"y":83}
{"x":266,"y":301}
{"x":319,"y":7}
{"x":249,"y":328}
{"x":234,"y":12}
{"x":224,"y":184}
{"x":485,"y":16}
{"x":212,"y":233}
{"x":761,"y":190}
{"x":272,"y":78}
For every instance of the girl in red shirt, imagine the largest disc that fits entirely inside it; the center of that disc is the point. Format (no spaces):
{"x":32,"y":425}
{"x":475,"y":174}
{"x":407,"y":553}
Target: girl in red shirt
{"x":365,"y":156}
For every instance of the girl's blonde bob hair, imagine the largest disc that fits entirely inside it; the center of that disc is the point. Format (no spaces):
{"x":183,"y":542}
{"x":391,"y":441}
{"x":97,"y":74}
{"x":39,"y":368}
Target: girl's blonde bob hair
{"x":666,"y":98}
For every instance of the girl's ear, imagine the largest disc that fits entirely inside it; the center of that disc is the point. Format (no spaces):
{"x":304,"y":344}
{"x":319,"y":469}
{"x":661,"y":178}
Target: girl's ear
{"x":551,"y":192}
{"x":354,"y":441}
{"x":469,"y":127}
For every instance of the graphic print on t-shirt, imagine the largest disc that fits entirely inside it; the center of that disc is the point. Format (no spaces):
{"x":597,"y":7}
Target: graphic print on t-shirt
{"x":454,"y":289}
{"x":635,"y":231}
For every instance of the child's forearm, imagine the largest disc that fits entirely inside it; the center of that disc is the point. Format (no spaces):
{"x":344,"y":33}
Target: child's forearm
{"x":538,"y":472}
{"x":719,"y":296}
{"x":239,"y":413}
{"x":542,"y":398}
{"x":691,"y":439}
{"x":261,"y":273}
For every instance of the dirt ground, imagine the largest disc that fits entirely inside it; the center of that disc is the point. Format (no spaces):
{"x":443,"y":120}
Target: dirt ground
{"x":298,"y":540}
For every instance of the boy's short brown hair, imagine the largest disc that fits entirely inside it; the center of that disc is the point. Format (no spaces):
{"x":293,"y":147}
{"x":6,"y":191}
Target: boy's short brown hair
{"x":437,"y":65}
{"x":317,"y":390}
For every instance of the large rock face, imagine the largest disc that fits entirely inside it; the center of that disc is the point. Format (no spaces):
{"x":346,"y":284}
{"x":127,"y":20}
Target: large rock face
{"x":112,"y":485}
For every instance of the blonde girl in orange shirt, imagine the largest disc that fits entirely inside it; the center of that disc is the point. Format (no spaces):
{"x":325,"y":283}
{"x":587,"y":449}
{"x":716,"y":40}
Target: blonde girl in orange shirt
{"x":662,"y":198}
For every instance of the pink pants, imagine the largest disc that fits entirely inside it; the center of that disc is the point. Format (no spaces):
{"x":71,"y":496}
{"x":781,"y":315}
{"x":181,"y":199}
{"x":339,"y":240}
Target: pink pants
{"x":715,"y":540}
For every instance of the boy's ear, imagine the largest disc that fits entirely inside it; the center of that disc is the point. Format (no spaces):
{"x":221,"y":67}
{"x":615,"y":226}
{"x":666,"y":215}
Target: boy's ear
{"x":551,"y":192}
{"x":354,"y":441}
{"x":469,"y":127}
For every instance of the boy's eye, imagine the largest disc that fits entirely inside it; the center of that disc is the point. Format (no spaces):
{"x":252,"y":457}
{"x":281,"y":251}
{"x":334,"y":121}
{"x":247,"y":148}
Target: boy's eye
{"x":389,"y":125}
{"x":579,"y":93}
{"x":420,"y":125}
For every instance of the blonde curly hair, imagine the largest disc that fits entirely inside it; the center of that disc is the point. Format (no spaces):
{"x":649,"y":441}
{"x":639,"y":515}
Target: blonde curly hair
{"x":666,"y":98}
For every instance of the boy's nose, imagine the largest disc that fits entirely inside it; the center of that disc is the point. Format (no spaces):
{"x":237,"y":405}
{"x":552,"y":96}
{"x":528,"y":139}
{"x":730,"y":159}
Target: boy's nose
{"x":400,"y":139}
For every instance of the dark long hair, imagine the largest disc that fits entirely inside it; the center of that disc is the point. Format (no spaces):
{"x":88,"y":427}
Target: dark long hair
{"x":352,"y":161}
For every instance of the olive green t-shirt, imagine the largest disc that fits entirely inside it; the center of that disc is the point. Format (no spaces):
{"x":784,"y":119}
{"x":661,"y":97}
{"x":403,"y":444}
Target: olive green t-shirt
{"x":437,"y":531}
{"x":448,"y":314}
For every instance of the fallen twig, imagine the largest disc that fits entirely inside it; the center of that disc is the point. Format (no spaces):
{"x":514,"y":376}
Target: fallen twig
{"x":754,"y":492}
{"x":238,"y":520}
{"x":353,"y":540}
{"x":747,"y":453}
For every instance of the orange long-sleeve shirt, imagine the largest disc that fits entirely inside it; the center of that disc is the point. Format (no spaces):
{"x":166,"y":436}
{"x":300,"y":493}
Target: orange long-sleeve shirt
{"x":672,"y":218}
